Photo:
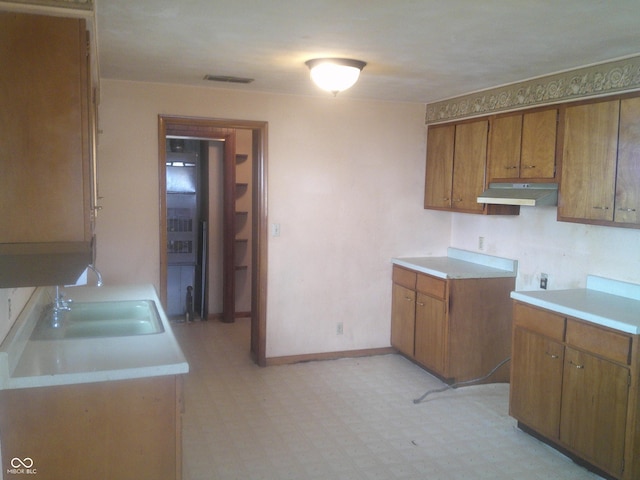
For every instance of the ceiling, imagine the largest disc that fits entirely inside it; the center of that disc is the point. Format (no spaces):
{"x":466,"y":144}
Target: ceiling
{"x":416,"y":50}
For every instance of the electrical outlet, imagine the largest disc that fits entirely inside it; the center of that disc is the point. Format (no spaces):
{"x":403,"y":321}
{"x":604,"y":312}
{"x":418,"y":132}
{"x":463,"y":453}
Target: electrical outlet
{"x":275,"y":229}
{"x":339,"y":328}
{"x":544,"y":278}
{"x":480,"y":243}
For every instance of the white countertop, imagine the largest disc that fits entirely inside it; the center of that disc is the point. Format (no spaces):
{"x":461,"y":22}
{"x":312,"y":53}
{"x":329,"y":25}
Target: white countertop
{"x":461,"y":264}
{"x":605,"y":302}
{"x":28,"y":363}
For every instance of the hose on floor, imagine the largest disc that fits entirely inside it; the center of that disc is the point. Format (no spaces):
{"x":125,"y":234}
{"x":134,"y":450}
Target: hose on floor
{"x":462,"y":384}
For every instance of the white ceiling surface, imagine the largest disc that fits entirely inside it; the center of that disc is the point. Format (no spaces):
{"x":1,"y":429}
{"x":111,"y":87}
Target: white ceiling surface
{"x":416,"y":51}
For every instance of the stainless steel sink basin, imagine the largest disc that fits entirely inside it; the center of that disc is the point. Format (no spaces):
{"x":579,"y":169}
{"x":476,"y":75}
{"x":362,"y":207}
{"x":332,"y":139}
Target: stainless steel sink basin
{"x":101,"y":319}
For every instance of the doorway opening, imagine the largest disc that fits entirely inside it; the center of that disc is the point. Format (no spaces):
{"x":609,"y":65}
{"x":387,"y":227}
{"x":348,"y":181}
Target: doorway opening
{"x":243,"y":253}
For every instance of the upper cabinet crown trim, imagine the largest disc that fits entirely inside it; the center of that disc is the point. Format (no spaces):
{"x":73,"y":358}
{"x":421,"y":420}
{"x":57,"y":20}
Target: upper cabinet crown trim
{"x":597,"y":80}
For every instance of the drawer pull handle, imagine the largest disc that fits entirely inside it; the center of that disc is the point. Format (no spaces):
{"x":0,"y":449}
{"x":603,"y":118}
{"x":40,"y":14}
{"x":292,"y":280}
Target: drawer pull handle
{"x":420,"y":304}
{"x":552,"y":355}
{"x":529,"y":166}
{"x":408,"y":299}
{"x":510,"y":168}
{"x":601,"y":208}
{"x":577,"y":365}
{"x":626,"y":209}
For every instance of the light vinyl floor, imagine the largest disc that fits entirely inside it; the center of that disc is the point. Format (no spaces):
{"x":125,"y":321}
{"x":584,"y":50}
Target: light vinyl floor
{"x":344,"y":419}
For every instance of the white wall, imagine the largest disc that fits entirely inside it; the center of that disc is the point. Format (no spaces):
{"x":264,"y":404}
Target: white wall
{"x":345,"y":182}
{"x":567,"y":252}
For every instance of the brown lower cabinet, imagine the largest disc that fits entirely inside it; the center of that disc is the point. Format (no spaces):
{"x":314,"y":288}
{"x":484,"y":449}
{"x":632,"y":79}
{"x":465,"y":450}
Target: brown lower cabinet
{"x":575,"y":385}
{"x":126,"y":429}
{"x":458,"y":329}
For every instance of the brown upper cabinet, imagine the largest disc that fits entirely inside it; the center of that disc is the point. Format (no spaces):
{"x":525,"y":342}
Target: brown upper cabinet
{"x":439,"y":173}
{"x":456,"y":159}
{"x":523,"y":146}
{"x":591,"y":148}
{"x":455,"y":170}
{"x":627,"y":202}
{"x":45,"y":169}
{"x":469,"y":160}
{"x":600,"y":178}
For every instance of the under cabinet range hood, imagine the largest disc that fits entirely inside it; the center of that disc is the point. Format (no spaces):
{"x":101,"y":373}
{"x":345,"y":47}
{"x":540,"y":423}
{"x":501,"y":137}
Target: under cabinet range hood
{"x":528,"y":194}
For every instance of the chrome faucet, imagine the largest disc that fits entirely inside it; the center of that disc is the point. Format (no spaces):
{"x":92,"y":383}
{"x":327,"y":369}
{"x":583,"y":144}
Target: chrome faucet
{"x":98,"y":274}
{"x":58,"y":307}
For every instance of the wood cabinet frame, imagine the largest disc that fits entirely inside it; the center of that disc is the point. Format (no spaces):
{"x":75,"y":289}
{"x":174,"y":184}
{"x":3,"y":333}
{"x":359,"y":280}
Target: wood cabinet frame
{"x":592,"y":419}
{"x":449,"y":184}
{"x":458,"y":329}
{"x":525,"y":144}
{"x":125,"y":429}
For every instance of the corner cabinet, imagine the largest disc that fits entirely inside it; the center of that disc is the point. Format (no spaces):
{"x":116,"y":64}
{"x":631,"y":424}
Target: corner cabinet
{"x":458,"y":329}
{"x":46,"y":168}
{"x":600,"y":178}
{"x":571,"y":384}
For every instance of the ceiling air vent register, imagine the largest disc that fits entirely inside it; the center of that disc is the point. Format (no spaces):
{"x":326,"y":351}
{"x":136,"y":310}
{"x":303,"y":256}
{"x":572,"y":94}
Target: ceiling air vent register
{"x":227,"y":79}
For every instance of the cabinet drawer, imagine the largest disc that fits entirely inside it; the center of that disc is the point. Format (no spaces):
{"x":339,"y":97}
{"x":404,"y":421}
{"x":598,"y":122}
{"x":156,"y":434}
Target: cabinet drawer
{"x":435,"y":287}
{"x":540,"y":321}
{"x":404,"y":277}
{"x":601,"y":341}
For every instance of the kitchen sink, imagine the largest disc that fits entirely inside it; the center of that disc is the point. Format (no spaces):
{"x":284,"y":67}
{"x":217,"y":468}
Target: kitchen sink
{"x":100,"y":319}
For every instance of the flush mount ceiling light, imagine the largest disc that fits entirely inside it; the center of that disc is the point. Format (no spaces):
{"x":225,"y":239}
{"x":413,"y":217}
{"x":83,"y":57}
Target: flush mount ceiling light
{"x":335,"y":74}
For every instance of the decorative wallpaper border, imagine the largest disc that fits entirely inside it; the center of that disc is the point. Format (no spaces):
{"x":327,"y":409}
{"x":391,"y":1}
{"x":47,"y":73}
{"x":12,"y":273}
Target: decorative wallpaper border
{"x":606,"y":78}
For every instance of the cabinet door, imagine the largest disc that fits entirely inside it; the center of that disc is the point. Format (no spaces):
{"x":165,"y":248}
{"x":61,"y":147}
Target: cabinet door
{"x":439,"y":170}
{"x":504,"y":148}
{"x":536,"y":381}
{"x":594,"y":409}
{"x":538,"y":156}
{"x":589,"y":161}
{"x":430,"y":335}
{"x":403,"y":308}
{"x":469,"y":162}
{"x":627,"y":202}
{"x":44,"y":181}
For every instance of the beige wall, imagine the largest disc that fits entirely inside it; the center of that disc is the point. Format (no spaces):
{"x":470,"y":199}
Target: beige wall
{"x":567,"y":252}
{"x":345,"y":183}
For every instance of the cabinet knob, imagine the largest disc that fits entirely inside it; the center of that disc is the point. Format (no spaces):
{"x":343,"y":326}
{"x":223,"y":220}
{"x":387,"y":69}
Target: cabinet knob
{"x":457,"y":199}
{"x":420,"y":304}
{"x":408,"y":299}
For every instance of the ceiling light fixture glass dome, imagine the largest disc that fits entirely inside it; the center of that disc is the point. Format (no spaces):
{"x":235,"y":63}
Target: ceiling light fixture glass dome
{"x":335,"y":74}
